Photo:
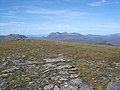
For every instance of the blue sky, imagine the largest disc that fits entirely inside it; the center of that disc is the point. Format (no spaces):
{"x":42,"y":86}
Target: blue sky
{"x":46,"y":16}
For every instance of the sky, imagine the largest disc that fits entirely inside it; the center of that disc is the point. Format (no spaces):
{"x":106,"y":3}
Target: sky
{"x":30,"y":17}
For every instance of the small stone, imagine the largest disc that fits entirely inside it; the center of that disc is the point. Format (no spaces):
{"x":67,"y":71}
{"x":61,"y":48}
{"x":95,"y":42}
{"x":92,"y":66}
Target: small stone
{"x":3,"y":59}
{"x":8,"y":57}
{"x":48,"y":66}
{"x":30,"y":82}
{"x":67,"y":86}
{"x":117,"y":78}
{"x":59,"y":81}
{"x":56,"y":88}
{"x":48,"y":87}
{"x":84,"y":86}
{"x":4,"y":75}
{"x":63,"y":79}
{"x":73,"y":76}
{"x":4,"y":64}
{"x":23,"y":56}
{"x":76,"y":81}
{"x":63,"y":72}
{"x":118,"y":64}
{"x":54,"y":78}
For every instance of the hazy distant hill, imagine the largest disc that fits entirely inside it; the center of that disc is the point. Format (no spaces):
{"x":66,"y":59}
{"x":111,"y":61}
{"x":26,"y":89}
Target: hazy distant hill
{"x":64,"y":35}
{"x":12,"y":37}
{"x":113,"y":39}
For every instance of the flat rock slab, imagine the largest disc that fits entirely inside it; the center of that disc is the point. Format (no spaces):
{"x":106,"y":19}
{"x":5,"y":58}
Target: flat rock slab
{"x":48,"y":87}
{"x":47,"y":66}
{"x":25,"y":62}
{"x":10,"y":69}
{"x":76,"y":81}
{"x":56,"y":59}
{"x":73,"y":75}
{"x":113,"y":86}
{"x":69,"y":87}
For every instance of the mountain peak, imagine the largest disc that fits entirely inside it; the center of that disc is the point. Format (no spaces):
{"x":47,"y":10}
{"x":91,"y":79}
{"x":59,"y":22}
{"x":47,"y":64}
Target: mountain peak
{"x":64,"y":35}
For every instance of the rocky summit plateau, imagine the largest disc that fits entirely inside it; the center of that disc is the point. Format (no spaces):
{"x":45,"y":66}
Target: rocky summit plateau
{"x":55,"y":65}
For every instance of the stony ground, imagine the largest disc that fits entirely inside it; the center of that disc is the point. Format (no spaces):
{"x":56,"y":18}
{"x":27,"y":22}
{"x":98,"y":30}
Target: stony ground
{"x":52,"y":74}
{"x":46,"y":65}
{"x":49,"y":74}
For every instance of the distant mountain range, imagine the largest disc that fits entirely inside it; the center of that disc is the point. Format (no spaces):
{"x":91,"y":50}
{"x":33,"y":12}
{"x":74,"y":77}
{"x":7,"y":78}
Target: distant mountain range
{"x":113,"y":39}
{"x":12,"y":37}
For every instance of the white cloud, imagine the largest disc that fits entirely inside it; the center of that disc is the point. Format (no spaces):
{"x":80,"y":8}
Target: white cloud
{"x":97,"y":3}
{"x":45,"y":11}
{"x":48,"y":27}
{"x":112,"y":25}
{"x":7,"y":14}
{"x":76,"y":13}
{"x":12,"y":23}
{"x":52,"y":13}
{"x":7,"y":23}
{"x":25,"y":28}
